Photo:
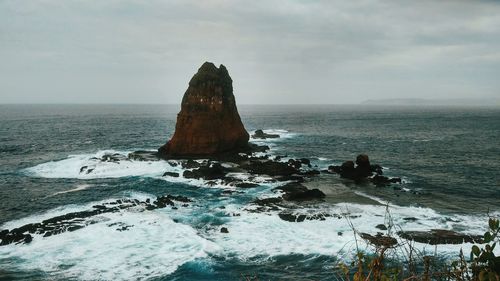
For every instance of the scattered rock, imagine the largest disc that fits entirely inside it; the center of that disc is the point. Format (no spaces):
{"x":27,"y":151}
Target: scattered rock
{"x":115,"y":157}
{"x":246,"y":185}
{"x":291,"y":217}
{"x":381,"y":226}
{"x":440,"y":236}
{"x":208,"y":172}
{"x":362,"y":170}
{"x":297,"y":192}
{"x":224,"y":230}
{"x":310,"y":173}
{"x":259,"y":134}
{"x":171,"y":174}
{"x":190,"y":164}
{"x":380,"y":180}
{"x":143,"y":155}
{"x":270,"y":168}
{"x":380,"y":240}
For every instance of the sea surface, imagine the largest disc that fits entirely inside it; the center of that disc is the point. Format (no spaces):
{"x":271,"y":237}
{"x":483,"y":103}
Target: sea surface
{"x":448,"y":158}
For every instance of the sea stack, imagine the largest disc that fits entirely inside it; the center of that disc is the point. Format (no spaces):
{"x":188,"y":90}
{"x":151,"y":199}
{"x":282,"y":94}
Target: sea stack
{"x":209,"y":123}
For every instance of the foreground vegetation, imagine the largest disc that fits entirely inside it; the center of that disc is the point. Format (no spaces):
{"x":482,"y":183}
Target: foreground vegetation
{"x":399,"y":260}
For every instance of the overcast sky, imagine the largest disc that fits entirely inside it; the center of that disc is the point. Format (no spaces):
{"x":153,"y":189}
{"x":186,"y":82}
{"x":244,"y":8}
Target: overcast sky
{"x":276,"y":51}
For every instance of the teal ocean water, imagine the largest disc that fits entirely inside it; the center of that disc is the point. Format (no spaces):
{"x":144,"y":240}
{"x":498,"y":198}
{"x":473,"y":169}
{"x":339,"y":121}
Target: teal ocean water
{"x":448,"y":158}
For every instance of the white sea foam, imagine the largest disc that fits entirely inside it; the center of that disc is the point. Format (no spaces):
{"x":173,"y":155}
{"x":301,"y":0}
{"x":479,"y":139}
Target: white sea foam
{"x":262,"y":235}
{"x":89,"y":166}
{"x":71,"y":167}
{"x":323,"y":159}
{"x":78,"y":187}
{"x":153,"y":245}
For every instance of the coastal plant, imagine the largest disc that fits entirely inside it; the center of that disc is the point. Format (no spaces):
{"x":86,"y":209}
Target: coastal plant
{"x":483,"y":264}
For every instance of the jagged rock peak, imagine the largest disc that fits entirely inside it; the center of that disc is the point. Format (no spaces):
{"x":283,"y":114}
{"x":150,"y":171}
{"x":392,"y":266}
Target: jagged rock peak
{"x":209,"y":122}
{"x":209,"y":72}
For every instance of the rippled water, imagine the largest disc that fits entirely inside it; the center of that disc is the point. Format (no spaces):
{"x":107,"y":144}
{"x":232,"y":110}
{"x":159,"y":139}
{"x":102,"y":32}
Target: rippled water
{"x":448,"y":158}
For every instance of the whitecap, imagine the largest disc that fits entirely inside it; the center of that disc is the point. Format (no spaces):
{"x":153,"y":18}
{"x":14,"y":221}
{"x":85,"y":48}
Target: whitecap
{"x":89,"y":166}
{"x":252,"y":234}
{"x":153,"y":245}
{"x":79,"y":187}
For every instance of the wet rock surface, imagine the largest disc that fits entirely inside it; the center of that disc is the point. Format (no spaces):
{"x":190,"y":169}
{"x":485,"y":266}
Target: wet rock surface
{"x":380,"y":240}
{"x":440,"y":236}
{"x":297,"y":192}
{"x":363,"y":170}
{"x":142,"y":155}
{"x":211,"y":171}
{"x":270,"y":168}
{"x":298,"y":217}
{"x":259,"y":134}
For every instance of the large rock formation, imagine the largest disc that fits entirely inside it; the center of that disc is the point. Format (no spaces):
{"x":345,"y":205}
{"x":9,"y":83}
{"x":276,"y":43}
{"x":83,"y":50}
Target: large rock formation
{"x":209,"y":122}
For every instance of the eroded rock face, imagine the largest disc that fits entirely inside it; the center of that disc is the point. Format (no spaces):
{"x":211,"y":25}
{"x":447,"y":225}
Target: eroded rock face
{"x":209,"y":122}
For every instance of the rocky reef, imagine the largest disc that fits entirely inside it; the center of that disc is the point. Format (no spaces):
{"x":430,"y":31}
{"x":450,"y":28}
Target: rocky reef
{"x":77,"y":220}
{"x":362,"y":170}
{"x":211,"y":145}
{"x":208,"y":122}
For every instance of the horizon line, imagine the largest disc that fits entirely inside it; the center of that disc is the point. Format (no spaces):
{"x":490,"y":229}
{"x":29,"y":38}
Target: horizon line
{"x":487,"y":101}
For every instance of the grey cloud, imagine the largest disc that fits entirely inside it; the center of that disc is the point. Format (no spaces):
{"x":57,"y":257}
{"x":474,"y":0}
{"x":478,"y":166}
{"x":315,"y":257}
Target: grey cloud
{"x":277,"y":51}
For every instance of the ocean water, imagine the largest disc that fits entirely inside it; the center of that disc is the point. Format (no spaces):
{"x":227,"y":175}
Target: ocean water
{"x":448,"y":159}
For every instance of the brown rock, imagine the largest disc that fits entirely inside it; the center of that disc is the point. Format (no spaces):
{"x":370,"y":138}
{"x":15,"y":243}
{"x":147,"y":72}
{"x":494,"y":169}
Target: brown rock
{"x":440,"y":236}
{"x":209,"y":122}
{"x":363,"y":160}
{"x":380,"y":240}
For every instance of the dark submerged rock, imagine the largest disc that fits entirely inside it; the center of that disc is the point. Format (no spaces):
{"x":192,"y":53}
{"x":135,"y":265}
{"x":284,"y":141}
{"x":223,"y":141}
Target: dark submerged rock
{"x":246,"y":185}
{"x":143,"y":155}
{"x":259,"y":134}
{"x":298,"y":192}
{"x":209,"y":172}
{"x":171,"y":174}
{"x":363,"y":170}
{"x":269,"y":167}
{"x":292,"y":218}
{"x":383,"y":180}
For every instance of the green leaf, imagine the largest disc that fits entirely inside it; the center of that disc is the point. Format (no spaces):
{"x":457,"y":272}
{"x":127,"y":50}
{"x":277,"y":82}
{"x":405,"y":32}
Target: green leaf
{"x":475,"y":250}
{"x":493,"y":223}
{"x":487,"y":237}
